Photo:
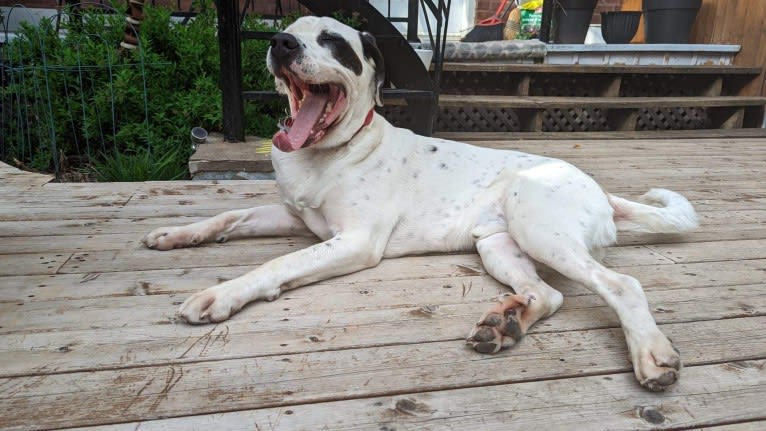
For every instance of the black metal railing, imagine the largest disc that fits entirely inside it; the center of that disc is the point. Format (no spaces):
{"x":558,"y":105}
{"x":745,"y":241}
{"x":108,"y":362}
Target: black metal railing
{"x":407,"y":78}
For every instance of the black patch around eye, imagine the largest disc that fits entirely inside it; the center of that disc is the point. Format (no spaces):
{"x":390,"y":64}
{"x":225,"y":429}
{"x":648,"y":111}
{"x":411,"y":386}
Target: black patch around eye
{"x":341,"y":50}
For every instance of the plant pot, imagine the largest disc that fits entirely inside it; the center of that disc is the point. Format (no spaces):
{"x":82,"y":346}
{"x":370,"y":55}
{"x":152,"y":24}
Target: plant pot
{"x":669,"y":21}
{"x":619,"y":27}
{"x":571,"y":20}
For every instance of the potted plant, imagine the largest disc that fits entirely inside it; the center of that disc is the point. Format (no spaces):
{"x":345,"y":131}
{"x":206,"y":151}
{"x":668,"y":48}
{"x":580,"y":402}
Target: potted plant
{"x":571,"y":19}
{"x":669,"y":21}
{"x":619,"y":26}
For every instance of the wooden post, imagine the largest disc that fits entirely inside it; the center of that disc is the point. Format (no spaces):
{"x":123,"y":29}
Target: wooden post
{"x":231,"y":70}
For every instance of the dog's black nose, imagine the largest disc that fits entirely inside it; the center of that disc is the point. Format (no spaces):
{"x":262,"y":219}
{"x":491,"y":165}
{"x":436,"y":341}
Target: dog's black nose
{"x":284,"y":45}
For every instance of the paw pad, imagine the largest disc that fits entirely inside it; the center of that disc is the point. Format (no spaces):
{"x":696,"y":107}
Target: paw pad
{"x":500,"y":327}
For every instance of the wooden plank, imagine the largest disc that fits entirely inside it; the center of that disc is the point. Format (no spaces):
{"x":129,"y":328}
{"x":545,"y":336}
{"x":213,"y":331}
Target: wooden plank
{"x":39,"y":242}
{"x":207,"y":208}
{"x":61,"y":343}
{"x":712,"y":251}
{"x":146,"y":393}
{"x":522,"y":89}
{"x":715,"y":225}
{"x":714,"y":88}
{"x":417,"y":269}
{"x":700,"y":176}
{"x":90,"y":226}
{"x":14,"y":176}
{"x":67,"y":243}
{"x":598,"y":69}
{"x":547,"y":102}
{"x":727,"y":195}
{"x":706,"y":395}
{"x":167,"y":188}
{"x":240,"y":253}
{"x":120,"y":241}
{"x":188,"y":280}
{"x":613,"y":88}
{"x":33,"y":263}
{"x":636,"y":135}
{"x":248,"y":157}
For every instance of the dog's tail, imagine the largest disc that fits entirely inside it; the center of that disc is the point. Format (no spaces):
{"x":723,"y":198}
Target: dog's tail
{"x":660,"y":211}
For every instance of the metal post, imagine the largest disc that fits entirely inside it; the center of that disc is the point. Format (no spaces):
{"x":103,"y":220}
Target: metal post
{"x":547,"y":18}
{"x":412,"y":21}
{"x":231,"y":70}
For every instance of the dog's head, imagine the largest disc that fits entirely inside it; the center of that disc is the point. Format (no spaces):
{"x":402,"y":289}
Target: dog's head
{"x":332,"y":75}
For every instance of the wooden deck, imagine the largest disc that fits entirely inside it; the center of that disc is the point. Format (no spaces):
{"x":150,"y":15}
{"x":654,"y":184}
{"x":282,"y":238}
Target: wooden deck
{"x":88,"y":335}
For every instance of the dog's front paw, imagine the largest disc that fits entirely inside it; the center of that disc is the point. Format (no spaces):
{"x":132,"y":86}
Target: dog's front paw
{"x":168,"y":238}
{"x":658,"y":364}
{"x":210,"y":305}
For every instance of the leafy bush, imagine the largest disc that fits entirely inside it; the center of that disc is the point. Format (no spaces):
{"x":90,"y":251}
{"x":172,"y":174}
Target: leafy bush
{"x":76,"y":95}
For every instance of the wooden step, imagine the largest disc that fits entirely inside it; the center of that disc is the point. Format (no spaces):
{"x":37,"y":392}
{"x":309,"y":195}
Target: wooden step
{"x":600,"y":69}
{"x":507,"y":79}
{"x":545,"y":102}
{"x":590,"y":136}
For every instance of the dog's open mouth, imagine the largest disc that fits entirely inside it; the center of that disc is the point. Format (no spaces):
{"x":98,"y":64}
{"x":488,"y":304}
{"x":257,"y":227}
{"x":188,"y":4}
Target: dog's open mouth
{"x":314,"y":108}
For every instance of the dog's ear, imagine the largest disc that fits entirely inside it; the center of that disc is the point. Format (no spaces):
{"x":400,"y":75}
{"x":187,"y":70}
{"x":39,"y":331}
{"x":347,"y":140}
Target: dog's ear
{"x":371,"y":51}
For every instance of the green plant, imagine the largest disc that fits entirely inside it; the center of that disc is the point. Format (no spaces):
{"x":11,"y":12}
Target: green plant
{"x":353,"y":20}
{"x":143,"y":165}
{"x":77,"y":94}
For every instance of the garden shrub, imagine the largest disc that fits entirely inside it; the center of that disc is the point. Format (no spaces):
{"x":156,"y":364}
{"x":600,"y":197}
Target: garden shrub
{"x":75,"y":96}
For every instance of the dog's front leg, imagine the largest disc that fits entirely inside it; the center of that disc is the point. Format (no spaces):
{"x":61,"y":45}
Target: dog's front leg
{"x":342,"y":254}
{"x":268,"y":220}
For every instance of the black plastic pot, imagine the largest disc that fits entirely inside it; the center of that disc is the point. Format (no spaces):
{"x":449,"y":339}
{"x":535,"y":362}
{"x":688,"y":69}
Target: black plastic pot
{"x":571,"y":19}
{"x":669,"y":21}
{"x":619,"y":27}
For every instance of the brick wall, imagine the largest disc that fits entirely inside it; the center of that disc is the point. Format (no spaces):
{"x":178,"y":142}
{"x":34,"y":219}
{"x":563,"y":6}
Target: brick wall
{"x":485,"y":8}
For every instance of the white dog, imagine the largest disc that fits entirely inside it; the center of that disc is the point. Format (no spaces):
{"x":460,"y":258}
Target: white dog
{"x":370,"y":190}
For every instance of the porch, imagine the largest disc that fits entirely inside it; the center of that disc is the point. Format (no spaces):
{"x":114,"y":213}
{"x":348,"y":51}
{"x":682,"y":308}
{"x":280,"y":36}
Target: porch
{"x":89,"y":335}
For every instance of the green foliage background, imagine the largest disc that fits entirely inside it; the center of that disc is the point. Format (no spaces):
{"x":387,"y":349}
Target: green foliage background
{"x":79,"y":97}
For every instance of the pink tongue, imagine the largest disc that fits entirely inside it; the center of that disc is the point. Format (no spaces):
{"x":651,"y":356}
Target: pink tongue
{"x":310,"y":112}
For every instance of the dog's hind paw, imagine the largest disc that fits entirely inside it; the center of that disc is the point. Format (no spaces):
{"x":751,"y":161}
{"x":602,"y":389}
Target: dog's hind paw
{"x":501,"y":326}
{"x":658,"y":365}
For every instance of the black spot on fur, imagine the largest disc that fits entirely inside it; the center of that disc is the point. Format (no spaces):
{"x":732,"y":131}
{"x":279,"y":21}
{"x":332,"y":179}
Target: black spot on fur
{"x":432,"y":148}
{"x":341,"y":50}
{"x":371,"y":51}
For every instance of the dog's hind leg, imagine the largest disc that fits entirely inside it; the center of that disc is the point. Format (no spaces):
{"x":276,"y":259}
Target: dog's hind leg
{"x":506,"y":322}
{"x":656,"y":362}
{"x":558,"y":215}
{"x":268,"y":220}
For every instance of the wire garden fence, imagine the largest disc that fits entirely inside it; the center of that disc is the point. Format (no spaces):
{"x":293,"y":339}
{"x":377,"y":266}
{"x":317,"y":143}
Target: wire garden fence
{"x":72,"y":98}
{"x":66,"y":95}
